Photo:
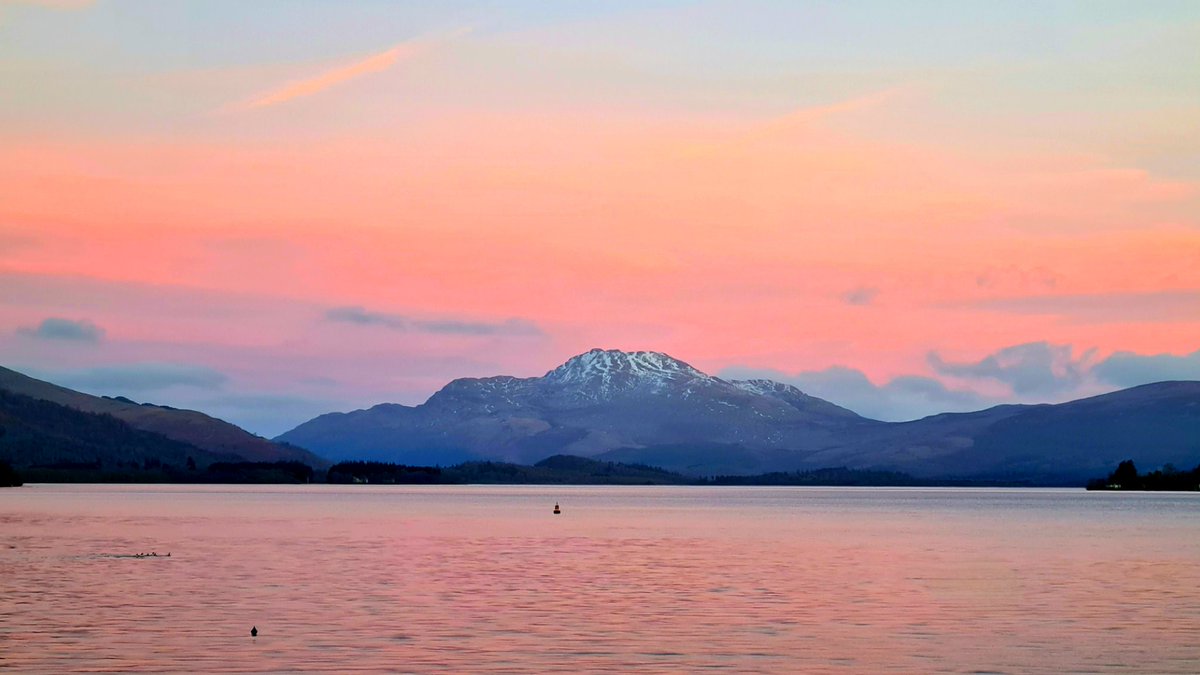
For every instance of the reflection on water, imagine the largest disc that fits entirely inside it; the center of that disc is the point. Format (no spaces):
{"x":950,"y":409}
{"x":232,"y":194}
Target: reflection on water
{"x":486,"y":579}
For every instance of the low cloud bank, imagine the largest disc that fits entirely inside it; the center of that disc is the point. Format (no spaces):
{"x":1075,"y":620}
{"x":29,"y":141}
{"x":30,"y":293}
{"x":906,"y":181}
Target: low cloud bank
{"x":71,"y":330}
{"x":1034,"y":372}
{"x":1033,"y":368}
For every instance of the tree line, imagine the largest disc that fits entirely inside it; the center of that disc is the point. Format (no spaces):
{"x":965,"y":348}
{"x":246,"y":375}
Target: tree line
{"x":557,"y":470}
{"x":1168,"y":478}
{"x":9,"y":476}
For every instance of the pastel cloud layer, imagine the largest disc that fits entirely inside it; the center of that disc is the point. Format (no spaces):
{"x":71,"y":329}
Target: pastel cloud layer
{"x":904,"y":208}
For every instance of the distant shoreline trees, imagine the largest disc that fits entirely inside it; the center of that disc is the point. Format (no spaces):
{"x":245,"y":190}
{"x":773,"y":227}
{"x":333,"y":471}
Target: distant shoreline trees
{"x":292,"y":472}
{"x":152,"y":470}
{"x":1168,"y":478}
{"x":556,"y":470}
{"x":8,"y":475}
{"x":382,"y":473}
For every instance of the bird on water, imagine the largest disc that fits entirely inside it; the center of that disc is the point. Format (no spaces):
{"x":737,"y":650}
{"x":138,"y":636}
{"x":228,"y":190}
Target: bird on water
{"x":556,"y":509}
{"x":254,"y":631}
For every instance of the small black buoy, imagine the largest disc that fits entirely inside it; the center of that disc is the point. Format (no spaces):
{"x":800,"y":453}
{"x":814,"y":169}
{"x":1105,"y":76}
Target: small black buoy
{"x":254,"y":631}
{"x":556,"y":509}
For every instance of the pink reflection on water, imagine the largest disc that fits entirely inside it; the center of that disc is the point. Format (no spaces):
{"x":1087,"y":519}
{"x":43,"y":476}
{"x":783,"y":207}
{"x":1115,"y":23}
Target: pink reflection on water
{"x":474,"y":579}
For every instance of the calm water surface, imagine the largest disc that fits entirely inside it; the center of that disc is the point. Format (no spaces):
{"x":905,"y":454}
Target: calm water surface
{"x":485,"y":579}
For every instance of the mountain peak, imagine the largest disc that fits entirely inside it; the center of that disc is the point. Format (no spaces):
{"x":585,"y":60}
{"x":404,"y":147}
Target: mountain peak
{"x":611,"y":370}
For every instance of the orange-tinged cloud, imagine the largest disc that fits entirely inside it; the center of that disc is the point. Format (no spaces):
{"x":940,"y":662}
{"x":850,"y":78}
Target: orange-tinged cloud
{"x":372,"y":64}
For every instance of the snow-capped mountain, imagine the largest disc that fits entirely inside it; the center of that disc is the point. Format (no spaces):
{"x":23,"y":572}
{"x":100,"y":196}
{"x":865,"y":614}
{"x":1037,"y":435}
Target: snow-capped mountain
{"x":595,"y":402}
{"x":602,"y":374}
{"x":650,"y":408}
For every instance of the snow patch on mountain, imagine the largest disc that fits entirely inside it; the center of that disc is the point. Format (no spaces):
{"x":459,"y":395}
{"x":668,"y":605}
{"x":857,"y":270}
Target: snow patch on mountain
{"x":765,"y":387}
{"x":603,"y":373}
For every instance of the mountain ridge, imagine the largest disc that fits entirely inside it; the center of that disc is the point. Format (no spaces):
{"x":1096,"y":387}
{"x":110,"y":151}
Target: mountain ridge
{"x":595,"y":401}
{"x":649,"y":408}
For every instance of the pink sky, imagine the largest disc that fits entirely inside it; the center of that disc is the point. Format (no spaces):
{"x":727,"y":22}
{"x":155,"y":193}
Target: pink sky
{"x":484,"y":212}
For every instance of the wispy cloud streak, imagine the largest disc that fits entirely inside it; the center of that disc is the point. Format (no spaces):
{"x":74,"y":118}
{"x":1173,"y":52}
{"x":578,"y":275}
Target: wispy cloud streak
{"x":374,"y":63}
{"x":1168,"y":306}
{"x":364,"y":317}
{"x":805,"y":116}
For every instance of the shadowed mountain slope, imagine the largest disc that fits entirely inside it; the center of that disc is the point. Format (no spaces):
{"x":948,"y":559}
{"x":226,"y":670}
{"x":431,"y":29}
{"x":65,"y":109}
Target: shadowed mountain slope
{"x":186,"y":426}
{"x":34,"y":432}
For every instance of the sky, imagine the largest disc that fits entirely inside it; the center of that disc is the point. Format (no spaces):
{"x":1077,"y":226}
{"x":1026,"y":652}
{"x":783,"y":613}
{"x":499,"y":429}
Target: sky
{"x":270,"y":210}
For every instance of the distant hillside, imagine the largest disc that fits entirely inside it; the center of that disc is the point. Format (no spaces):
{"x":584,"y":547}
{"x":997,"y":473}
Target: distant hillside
{"x":214,"y":436}
{"x":1155,"y":423}
{"x":40,"y":433}
{"x":649,"y":408}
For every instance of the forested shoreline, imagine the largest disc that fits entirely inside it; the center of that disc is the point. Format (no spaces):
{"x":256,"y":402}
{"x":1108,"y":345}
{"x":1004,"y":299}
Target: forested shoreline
{"x":1166,"y":479}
